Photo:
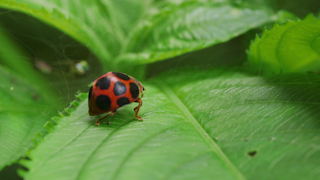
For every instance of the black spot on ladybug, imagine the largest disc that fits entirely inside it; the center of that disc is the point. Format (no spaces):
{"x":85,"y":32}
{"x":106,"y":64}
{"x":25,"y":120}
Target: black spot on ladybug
{"x":103,"y":102}
{"x":119,"y":88}
{"x":90,"y":92}
{"x":103,"y":83}
{"x":134,"y":90}
{"x":121,"y":76}
{"x":123,"y":101}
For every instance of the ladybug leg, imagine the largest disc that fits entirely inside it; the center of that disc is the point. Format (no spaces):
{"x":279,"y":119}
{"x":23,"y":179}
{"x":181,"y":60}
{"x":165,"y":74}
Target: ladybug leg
{"x":138,"y":108}
{"x":110,"y":114}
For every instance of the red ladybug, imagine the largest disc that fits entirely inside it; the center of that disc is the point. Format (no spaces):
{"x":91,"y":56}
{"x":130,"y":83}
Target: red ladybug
{"x":113,"y":90}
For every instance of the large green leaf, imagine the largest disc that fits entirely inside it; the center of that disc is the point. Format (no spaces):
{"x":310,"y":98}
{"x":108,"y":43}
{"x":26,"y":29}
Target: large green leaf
{"x":14,"y":58}
{"x":128,"y":13}
{"x":116,"y":30}
{"x":292,"y":47}
{"x":23,"y":112}
{"x":100,"y":25}
{"x":72,"y":17}
{"x":25,"y":104}
{"x":266,"y":127}
{"x":188,"y":27}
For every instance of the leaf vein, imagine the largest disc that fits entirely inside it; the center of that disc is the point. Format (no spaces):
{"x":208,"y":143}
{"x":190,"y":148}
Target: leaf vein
{"x":129,"y":154}
{"x":96,"y":148}
{"x":191,"y":119}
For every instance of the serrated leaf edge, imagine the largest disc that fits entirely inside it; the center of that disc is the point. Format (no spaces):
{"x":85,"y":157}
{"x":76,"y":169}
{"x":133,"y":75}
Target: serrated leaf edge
{"x":276,"y":26}
{"x":38,"y":138}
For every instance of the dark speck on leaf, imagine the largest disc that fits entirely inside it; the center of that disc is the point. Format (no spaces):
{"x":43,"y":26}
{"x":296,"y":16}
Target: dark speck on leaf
{"x":252,"y":153}
{"x":35,"y":97}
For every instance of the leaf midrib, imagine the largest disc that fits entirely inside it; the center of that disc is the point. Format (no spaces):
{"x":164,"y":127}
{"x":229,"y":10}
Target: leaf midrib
{"x":191,"y":119}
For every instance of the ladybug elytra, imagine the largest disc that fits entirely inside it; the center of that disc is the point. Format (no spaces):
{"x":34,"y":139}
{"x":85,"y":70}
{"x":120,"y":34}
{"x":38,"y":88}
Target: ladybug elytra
{"x":112,"y":91}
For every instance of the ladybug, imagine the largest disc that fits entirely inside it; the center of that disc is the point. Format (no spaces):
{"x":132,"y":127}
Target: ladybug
{"x":112,"y":91}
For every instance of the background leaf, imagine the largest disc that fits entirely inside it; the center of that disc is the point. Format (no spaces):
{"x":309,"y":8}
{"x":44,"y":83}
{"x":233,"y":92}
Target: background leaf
{"x":128,"y":13}
{"x":207,"y":24}
{"x":23,"y":111}
{"x":292,"y":47}
{"x":260,"y":124}
{"x":14,"y":58}
{"x":189,"y":27}
{"x":79,"y":20}
{"x":267,"y":127}
{"x":27,"y":102}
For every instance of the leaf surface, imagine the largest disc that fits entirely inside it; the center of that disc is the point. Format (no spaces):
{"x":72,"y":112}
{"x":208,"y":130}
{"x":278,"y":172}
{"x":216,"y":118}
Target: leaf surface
{"x":292,"y":47}
{"x":100,"y":25}
{"x":259,"y":123}
{"x":268,"y":127}
{"x":138,"y":32}
{"x":23,"y":112}
{"x":189,"y":27}
{"x":25,"y":105}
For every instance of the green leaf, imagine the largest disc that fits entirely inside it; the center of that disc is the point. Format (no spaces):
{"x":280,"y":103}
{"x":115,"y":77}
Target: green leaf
{"x":23,"y":112}
{"x":128,"y":13}
{"x":115,"y":30}
{"x":292,"y":47}
{"x":266,"y":127}
{"x":14,"y":58}
{"x":26,"y":102}
{"x":89,"y":22}
{"x":191,"y":26}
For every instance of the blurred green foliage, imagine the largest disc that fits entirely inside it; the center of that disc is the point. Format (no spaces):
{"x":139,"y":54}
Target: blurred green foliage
{"x":225,"y":99}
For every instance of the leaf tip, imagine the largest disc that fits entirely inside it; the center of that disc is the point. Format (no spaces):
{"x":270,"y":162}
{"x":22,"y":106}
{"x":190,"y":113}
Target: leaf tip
{"x":310,"y":17}
{"x":37,"y":139}
{"x":22,"y":172}
{"x":82,"y":96}
{"x":56,"y":119}
{"x":60,"y":114}
{"x":276,"y":25}
{"x":49,"y":126}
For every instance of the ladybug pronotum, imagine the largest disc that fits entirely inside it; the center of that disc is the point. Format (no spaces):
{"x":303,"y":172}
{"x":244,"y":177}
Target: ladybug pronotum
{"x":112,"y":91}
